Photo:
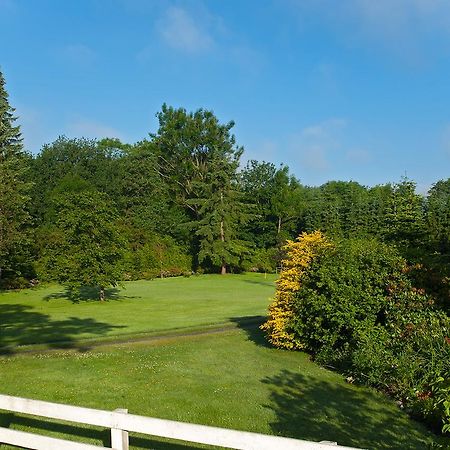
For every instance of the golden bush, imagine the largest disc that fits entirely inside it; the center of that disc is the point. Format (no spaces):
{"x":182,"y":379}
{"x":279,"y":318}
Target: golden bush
{"x":300,"y":254}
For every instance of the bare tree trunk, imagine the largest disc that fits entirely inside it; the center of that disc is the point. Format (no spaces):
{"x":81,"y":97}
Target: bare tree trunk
{"x":279,"y":225}
{"x":102,"y":294}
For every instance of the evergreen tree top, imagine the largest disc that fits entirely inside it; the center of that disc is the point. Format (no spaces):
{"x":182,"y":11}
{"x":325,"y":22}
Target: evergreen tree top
{"x":10,"y":136}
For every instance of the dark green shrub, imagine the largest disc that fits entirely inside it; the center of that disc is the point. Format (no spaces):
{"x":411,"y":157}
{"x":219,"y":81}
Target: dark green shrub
{"x":344,"y":289}
{"x":358,"y":311}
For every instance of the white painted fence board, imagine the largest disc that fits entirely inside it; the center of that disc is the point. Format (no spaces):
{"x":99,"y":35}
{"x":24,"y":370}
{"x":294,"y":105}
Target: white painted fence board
{"x":119,"y":438}
{"x":38,"y":442}
{"x":202,"y":434}
{"x":58,"y":411}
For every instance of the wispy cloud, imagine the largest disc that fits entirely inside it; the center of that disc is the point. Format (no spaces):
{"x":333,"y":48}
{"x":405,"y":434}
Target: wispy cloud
{"x":83,"y":127}
{"x":399,"y":26}
{"x":183,"y":31}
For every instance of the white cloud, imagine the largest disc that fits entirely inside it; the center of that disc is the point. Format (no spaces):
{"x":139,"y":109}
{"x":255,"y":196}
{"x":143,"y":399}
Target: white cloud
{"x":182,"y":31}
{"x":91,"y":129}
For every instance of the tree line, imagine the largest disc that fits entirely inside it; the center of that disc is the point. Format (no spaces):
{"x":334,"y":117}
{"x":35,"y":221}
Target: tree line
{"x":97,"y":212}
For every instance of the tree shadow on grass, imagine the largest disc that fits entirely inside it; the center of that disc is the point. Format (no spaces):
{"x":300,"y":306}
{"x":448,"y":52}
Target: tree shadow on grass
{"x":87,"y":294}
{"x":251,"y":325}
{"x":312,"y":409}
{"x":20,"y":325}
{"x":90,"y":434}
{"x":261,"y":283}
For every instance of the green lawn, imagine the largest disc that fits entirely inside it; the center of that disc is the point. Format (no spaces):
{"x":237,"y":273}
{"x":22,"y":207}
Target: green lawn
{"x":48,"y":316}
{"x":228,"y":379}
{"x":231,"y":380}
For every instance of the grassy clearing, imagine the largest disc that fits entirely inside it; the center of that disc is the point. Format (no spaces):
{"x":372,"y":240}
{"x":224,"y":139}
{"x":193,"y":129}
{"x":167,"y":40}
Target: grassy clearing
{"x":228,"y":380}
{"x":48,"y":316}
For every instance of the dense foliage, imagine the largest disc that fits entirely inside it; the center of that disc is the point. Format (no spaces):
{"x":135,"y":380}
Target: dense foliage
{"x":355,"y":307}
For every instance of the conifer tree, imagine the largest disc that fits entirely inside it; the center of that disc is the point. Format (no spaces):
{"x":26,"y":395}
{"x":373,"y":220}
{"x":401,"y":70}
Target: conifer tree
{"x":222,"y":214}
{"x":14,"y":189}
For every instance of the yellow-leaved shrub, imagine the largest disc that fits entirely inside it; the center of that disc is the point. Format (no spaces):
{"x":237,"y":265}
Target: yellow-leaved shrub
{"x":300,"y":254}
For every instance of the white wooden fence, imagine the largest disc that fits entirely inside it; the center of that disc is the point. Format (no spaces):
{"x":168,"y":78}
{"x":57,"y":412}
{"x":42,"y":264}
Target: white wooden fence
{"x":120,"y":423}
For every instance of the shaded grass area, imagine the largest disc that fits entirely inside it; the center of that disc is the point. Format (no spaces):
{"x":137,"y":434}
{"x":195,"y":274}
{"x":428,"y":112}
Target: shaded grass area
{"x":52,"y":317}
{"x":230,"y":380}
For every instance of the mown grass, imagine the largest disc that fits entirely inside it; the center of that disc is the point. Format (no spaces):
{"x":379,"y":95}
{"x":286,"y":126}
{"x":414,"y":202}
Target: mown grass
{"x":50,"y":316}
{"x":231,"y":380}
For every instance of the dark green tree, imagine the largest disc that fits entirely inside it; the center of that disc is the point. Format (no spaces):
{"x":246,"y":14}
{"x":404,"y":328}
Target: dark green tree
{"x":278,"y":199}
{"x":405,"y":217}
{"x":14,"y":193}
{"x":144,"y":198}
{"x":222,"y":214}
{"x":84,"y":246}
{"x":96,"y":162}
{"x":257,"y":181}
{"x":379,"y":201}
{"x":438,"y":216}
{"x":198,"y":157}
{"x":286,"y":203}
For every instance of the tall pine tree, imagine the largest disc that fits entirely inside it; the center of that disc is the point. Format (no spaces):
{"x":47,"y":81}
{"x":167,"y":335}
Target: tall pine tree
{"x":222,"y":214}
{"x":14,"y":189}
{"x":198,"y":157}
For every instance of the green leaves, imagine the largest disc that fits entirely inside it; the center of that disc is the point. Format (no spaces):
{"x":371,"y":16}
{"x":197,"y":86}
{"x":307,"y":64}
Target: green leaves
{"x":358,"y":310}
{"x":84,"y":246}
{"x":198,"y":159}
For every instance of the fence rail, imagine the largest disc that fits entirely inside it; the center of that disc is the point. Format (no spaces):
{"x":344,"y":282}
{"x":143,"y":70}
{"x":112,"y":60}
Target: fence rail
{"x":120,"y":423}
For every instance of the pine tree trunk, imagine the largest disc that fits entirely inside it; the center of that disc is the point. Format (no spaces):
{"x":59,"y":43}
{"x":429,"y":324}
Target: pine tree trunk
{"x":102,"y":294}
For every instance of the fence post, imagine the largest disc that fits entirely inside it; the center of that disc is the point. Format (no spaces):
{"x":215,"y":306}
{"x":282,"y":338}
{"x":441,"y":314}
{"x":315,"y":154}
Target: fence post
{"x":119,"y":438}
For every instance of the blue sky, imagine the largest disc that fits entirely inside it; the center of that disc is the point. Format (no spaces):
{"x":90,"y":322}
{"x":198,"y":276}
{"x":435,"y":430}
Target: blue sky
{"x":350,"y":89}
